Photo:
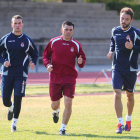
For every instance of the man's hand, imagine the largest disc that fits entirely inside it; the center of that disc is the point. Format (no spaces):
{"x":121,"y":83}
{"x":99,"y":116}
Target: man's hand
{"x":109,"y":55}
{"x":80,"y":60}
{"x":7,"y":64}
{"x":50,"y":68}
{"x":129,"y":45}
{"x":32,"y":65}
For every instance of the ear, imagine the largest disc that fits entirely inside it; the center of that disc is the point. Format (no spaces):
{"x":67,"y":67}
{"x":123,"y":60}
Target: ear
{"x":61,"y":30}
{"x":11,"y":25}
{"x":131,"y":19}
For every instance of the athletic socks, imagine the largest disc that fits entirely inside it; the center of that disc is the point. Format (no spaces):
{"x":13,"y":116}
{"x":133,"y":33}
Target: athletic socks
{"x":14,"y":123}
{"x":57,"y":111}
{"x":63,"y":126}
{"x":128,"y":118}
{"x":11,"y":107}
{"x":120,"y":120}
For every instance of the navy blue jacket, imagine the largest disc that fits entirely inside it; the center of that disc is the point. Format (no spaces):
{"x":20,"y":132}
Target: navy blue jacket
{"x":125,"y":59}
{"x":17,"y":50}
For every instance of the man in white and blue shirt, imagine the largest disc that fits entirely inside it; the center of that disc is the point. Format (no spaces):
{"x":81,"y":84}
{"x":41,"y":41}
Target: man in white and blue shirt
{"x":125,"y":45}
{"x":15,"y":49}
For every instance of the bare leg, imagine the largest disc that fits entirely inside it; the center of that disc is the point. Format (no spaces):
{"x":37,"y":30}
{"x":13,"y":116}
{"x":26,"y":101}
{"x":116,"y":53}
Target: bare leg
{"x":67,"y":110}
{"x":118,"y":103}
{"x":55,"y":104}
{"x":130,"y":102}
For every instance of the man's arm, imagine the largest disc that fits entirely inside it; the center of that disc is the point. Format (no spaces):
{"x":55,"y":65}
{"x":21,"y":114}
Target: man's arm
{"x":81,"y":57}
{"x":112,"y":47}
{"x":33,"y":53}
{"x":136,"y":46}
{"x":3,"y":54}
{"x":47,"y":57}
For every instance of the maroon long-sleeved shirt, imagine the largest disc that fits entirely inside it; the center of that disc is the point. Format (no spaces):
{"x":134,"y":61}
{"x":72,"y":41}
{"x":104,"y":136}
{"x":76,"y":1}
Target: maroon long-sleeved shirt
{"x":62,"y":55}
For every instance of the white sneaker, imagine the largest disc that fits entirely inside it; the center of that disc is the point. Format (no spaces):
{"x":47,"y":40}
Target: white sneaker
{"x":62,"y":132}
{"x":13,"y":128}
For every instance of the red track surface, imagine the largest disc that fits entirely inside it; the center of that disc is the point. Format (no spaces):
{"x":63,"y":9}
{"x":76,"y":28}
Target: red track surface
{"x":83,"y":77}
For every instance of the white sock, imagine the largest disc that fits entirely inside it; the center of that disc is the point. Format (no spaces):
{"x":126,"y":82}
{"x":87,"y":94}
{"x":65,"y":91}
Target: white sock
{"x":14,"y":122}
{"x":56,"y":111}
{"x":120,"y":120}
{"x":11,"y":107}
{"x":63,"y":126}
{"x":128,"y":118}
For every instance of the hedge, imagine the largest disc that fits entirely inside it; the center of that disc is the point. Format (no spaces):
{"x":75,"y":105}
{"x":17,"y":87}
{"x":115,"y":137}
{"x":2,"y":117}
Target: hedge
{"x":119,"y":4}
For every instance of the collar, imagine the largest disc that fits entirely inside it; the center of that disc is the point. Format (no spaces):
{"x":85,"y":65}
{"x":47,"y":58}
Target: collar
{"x":66,"y":40}
{"x":127,"y":29}
{"x":19,"y":36}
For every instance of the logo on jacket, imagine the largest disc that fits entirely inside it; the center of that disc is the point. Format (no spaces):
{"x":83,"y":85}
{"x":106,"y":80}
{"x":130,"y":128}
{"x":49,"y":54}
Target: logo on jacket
{"x":127,"y":37}
{"x":11,"y":41}
{"x":72,"y":49}
{"x":65,"y":43}
{"x":22,"y":44}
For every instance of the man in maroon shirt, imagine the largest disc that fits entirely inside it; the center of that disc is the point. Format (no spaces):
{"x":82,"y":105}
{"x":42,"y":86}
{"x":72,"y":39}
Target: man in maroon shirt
{"x":59,"y":58}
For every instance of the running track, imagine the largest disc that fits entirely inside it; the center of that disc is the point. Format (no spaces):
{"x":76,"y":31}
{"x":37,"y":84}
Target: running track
{"x":83,"y":77}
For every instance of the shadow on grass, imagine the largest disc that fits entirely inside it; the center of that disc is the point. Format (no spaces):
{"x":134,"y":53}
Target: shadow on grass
{"x":98,"y":136}
{"x":42,"y":133}
{"x":94,"y":136}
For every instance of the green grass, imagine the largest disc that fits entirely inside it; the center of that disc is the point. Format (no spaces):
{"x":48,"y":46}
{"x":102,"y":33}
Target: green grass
{"x":93,"y":118}
{"x":80,"y":89}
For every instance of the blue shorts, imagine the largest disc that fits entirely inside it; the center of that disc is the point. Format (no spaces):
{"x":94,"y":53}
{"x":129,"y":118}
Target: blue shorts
{"x":124,"y":80}
{"x":8,"y":83}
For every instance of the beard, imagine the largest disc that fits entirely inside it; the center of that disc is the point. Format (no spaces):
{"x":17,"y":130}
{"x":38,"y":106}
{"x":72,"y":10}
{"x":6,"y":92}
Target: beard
{"x":125,"y":25}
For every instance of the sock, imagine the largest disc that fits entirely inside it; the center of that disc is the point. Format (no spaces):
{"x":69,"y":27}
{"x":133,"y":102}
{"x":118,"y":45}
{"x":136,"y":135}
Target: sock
{"x":14,"y":122}
{"x":63,"y":126}
{"x":120,"y":120}
{"x":128,"y":118}
{"x":11,"y":107}
{"x":56,"y":111}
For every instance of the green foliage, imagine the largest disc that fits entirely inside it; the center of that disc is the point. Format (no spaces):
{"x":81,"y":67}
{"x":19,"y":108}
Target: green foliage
{"x":119,"y":4}
{"x":46,"y":0}
{"x":106,"y":1}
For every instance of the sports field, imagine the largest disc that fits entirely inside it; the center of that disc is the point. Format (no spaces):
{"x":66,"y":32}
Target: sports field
{"x":93,"y":116}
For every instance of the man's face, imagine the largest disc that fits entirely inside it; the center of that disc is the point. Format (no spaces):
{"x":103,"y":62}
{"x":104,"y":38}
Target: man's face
{"x":17,"y":25}
{"x":125,"y":21}
{"x":67,"y":32}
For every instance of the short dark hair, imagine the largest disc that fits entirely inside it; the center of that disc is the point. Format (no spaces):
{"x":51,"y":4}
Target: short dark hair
{"x":128,"y":11}
{"x":69,"y":23}
{"x":17,"y":17}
